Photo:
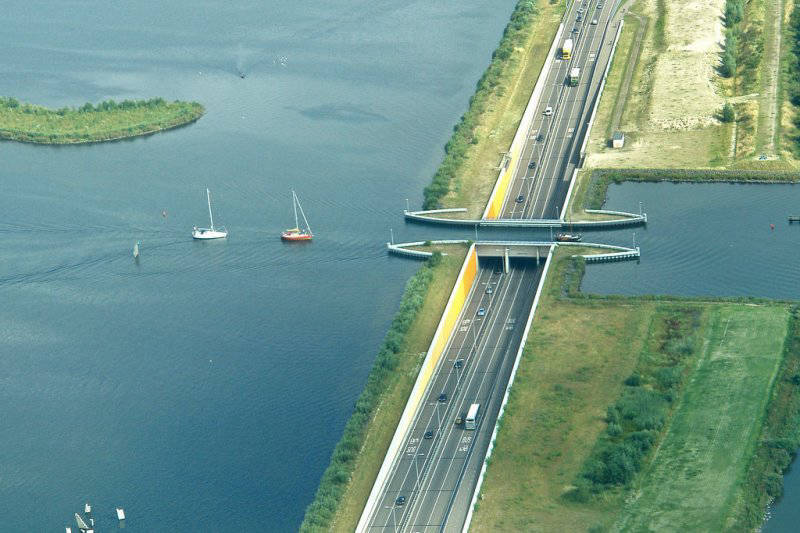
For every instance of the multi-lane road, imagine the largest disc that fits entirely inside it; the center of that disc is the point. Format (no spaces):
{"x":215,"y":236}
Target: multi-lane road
{"x":435,"y":473}
{"x":432,"y":480}
{"x":553,"y":142}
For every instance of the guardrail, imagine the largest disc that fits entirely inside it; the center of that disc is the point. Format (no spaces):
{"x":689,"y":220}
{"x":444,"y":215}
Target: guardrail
{"x":403,"y":248}
{"x":498,"y":197}
{"x":452,"y":312}
{"x":627,"y":219}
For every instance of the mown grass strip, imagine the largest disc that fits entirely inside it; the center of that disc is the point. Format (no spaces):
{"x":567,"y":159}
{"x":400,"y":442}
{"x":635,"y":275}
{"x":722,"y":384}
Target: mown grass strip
{"x":105,"y":121}
{"x":693,"y":480}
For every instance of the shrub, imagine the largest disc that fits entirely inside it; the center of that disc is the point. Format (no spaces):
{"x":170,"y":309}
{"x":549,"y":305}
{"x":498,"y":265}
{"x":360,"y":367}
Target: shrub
{"x":728,"y":114}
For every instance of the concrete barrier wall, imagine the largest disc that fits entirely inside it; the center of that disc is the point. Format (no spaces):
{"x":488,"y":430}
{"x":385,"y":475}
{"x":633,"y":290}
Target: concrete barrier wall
{"x":495,"y":205}
{"x":482,"y":474}
{"x":452,"y":312}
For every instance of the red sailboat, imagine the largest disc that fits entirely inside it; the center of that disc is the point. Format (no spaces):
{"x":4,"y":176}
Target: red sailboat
{"x":297,"y":233}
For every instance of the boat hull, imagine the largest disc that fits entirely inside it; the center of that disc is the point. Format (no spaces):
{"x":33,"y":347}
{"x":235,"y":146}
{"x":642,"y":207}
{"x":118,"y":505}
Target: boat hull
{"x":295,"y":237}
{"x":207,"y":234}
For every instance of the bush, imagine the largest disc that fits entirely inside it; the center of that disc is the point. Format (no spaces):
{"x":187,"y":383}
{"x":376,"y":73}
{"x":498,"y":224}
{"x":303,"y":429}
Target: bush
{"x":728,"y":114}
{"x":634,"y":380}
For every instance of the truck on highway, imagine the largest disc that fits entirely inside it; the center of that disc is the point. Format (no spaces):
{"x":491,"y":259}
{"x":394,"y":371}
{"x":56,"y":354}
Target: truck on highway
{"x":574,"y":74}
{"x":472,"y":416}
{"x":566,"y":49}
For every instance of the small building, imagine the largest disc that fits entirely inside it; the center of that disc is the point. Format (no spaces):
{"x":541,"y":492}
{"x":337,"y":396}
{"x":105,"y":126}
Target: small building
{"x":618,"y":140}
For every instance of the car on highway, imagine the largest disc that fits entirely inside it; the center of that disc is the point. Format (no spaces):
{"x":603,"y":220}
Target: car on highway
{"x":575,"y":30}
{"x":594,"y":22}
{"x":532,"y":165}
{"x":401,"y":500}
{"x":443,"y":397}
{"x":548,"y":111}
{"x":579,"y":18}
{"x":520,"y":199}
{"x":459,"y":363}
{"x":580,"y":10}
{"x":428,"y":435}
{"x":540,"y":137}
{"x":489,"y":290}
{"x":600,"y":5}
{"x":459,"y":420}
{"x":481,"y":311}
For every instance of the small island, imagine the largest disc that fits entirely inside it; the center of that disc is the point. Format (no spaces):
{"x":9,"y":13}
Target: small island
{"x":106,"y":121}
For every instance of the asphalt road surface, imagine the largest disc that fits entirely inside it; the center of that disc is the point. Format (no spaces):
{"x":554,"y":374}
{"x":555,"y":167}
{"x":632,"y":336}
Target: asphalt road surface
{"x":552,"y":148}
{"x":437,"y":475}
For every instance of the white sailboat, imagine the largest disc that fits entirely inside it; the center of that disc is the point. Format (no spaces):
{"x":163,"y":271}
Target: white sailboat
{"x":212,"y":232}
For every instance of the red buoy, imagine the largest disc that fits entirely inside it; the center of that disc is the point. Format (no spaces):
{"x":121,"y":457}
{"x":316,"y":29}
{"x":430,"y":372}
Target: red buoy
{"x":772,"y":227}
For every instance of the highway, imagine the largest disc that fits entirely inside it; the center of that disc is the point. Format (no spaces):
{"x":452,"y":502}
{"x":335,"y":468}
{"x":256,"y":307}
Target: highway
{"x":437,"y":475}
{"x":544,"y":187}
{"x":432,"y":480}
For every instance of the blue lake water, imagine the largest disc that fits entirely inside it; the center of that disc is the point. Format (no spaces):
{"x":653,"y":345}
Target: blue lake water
{"x":205,"y":387}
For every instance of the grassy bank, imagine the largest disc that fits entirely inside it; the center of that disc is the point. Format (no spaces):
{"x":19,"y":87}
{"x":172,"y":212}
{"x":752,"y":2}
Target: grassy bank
{"x":593,"y":186}
{"x":661,"y":400}
{"x":468,"y":172}
{"x":105,"y":121}
{"x":355,"y":462}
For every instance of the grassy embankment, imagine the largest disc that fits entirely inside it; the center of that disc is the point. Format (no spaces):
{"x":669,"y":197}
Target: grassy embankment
{"x":592,"y":187}
{"x":630,"y":413}
{"x":465,"y":178}
{"x":347,"y":481}
{"x":469,"y":169}
{"x":106,"y":121}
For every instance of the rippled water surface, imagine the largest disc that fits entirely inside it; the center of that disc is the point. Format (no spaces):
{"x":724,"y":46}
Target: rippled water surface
{"x":705,"y":240}
{"x":206,"y":386}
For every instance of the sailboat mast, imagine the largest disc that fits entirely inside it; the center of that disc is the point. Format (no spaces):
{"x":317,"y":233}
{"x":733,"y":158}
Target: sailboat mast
{"x":297,"y":200}
{"x":210,"y":216}
{"x":294,"y":204}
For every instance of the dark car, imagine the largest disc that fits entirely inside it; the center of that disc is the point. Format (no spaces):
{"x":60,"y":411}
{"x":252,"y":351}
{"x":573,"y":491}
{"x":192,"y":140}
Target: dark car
{"x":540,"y":137}
{"x":459,"y":363}
{"x":580,"y":18}
{"x":443,"y":397}
{"x":520,"y":199}
{"x":401,"y":500}
{"x":575,"y":30}
{"x":532,"y":164}
{"x":428,"y":435}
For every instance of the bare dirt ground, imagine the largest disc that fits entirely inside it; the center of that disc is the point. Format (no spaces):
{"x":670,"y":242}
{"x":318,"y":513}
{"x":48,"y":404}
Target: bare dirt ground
{"x":670,"y":116}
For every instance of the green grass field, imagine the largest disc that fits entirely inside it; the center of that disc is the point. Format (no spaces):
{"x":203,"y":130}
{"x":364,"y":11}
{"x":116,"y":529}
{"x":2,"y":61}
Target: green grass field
{"x":578,"y":355}
{"x":695,"y":474}
{"x":104,"y":122}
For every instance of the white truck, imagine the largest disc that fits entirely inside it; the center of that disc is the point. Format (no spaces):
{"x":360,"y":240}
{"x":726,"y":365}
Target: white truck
{"x":574,"y":74}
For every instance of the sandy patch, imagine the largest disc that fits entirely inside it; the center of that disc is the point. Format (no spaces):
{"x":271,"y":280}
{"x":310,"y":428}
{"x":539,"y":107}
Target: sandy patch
{"x":684,"y":95}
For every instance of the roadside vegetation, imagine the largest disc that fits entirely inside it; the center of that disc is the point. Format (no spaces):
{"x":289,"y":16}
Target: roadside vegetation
{"x":468,"y":171}
{"x":637,"y":413}
{"x":592,"y":188}
{"x":105,"y":121}
{"x":358,"y":456}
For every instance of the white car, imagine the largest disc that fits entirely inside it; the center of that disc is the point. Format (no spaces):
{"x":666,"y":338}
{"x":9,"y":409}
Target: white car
{"x":548,"y":111}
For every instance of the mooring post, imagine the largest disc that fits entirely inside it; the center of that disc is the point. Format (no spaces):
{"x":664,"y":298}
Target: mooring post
{"x":391,"y":235}
{"x":409,"y":209}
